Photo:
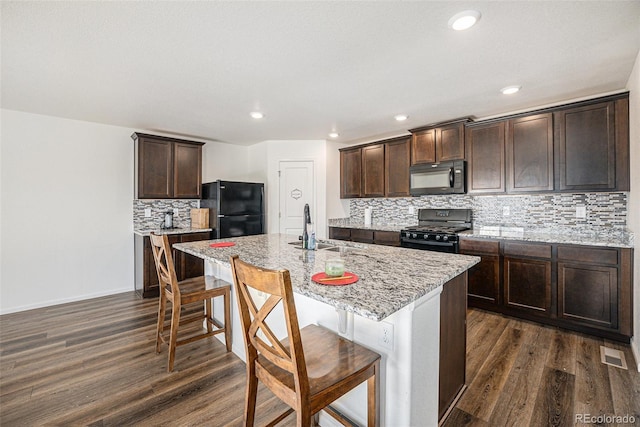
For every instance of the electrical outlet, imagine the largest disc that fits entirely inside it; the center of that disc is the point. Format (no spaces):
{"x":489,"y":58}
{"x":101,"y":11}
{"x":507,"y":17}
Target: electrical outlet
{"x":412,"y":210}
{"x":506,"y":211}
{"x":147,"y":213}
{"x":581,"y":212}
{"x":385,"y":339}
{"x":175,"y":211}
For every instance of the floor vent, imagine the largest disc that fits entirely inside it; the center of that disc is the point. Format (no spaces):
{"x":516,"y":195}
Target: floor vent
{"x":612,"y":357}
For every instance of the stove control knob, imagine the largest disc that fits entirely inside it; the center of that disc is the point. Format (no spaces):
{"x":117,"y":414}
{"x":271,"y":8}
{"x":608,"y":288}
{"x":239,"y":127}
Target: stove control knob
{"x":414,"y":235}
{"x":425,"y":237}
{"x":445,"y":238}
{"x":437,"y":237}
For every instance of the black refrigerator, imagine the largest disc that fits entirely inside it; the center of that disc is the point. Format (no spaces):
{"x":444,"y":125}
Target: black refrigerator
{"x":235,"y":208}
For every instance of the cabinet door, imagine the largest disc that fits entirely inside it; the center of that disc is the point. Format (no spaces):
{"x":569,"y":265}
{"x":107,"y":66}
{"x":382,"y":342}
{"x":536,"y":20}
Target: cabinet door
{"x":187,"y":172}
{"x":588,"y":294}
{"x":527,"y":285}
{"x":484,"y":277}
{"x":450,"y":142}
{"x":397,"y":159}
{"x":585,"y":144}
{"x":189,"y":266}
{"x":423,"y":147}
{"x":530,"y":154}
{"x":485,"y":158}
{"x":351,"y":173}
{"x":484,"y":282}
{"x":373,"y":170}
{"x":155,"y":169}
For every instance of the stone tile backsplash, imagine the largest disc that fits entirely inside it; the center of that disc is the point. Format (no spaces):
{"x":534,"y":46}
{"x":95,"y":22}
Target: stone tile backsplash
{"x":548,"y":211}
{"x":158,"y":208}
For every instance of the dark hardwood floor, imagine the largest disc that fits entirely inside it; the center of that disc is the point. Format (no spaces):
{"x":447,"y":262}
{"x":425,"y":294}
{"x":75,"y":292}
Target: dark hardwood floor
{"x":93,"y":363}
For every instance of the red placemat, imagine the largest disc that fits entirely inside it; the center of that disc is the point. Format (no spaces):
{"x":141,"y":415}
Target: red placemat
{"x":222,"y":244}
{"x":347,"y":279}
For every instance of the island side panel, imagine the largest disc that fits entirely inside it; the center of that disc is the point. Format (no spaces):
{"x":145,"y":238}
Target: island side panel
{"x":453,"y":342}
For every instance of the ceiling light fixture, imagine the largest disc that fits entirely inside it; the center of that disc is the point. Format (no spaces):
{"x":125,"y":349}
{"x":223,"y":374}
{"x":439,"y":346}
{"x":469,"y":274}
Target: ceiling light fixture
{"x":464,"y":20}
{"x":401,"y":117}
{"x":334,"y":135}
{"x":510,"y":90}
{"x":257,"y":114}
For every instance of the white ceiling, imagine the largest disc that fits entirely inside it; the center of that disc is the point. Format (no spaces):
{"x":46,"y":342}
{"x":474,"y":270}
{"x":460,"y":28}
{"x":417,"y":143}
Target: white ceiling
{"x":198,"y":68}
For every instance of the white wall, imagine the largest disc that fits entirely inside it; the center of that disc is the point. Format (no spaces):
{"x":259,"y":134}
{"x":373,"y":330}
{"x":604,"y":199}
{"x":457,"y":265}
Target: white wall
{"x":66,"y":224}
{"x":264,"y":159}
{"x":66,"y":199}
{"x":633,"y":221}
{"x":224,"y":161}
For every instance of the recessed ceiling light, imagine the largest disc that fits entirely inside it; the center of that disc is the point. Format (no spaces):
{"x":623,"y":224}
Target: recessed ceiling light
{"x":401,"y":117}
{"x":464,"y":20}
{"x":334,"y":135}
{"x":510,"y":90}
{"x":257,"y":114}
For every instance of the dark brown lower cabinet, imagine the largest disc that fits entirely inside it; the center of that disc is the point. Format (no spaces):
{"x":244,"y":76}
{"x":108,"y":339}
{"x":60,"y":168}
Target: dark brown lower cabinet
{"x":484,"y":277}
{"x":527,"y":285}
{"x":146,"y":277}
{"x":361,"y":236}
{"x":589,"y":284}
{"x":582,"y":288}
{"x":453,"y":342}
{"x":588,"y":294}
{"x":386,"y":238}
{"x":339,"y":233}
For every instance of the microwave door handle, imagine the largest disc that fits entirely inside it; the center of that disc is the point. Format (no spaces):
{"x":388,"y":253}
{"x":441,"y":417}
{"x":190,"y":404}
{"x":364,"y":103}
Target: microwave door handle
{"x":451,"y":178}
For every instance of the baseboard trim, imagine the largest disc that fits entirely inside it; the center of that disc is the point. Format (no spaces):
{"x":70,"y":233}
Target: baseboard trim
{"x":635,"y":351}
{"x":64,"y":301}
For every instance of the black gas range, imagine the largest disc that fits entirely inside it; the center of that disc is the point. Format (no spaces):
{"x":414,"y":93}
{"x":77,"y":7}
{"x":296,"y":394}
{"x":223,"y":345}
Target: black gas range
{"x":437,"y":230}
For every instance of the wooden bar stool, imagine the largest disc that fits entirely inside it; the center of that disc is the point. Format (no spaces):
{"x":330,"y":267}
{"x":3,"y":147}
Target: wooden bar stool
{"x":202,"y":288}
{"x":297,"y":369}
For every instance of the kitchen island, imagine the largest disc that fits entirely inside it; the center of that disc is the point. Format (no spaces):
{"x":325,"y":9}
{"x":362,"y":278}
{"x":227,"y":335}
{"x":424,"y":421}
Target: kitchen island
{"x":394,"y":308}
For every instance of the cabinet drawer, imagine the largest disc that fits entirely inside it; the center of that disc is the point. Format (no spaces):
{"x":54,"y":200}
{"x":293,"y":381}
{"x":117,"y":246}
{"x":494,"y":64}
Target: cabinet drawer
{"x":338,"y":233}
{"x":363,"y":236}
{"x":526,"y":250}
{"x":482,"y":246}
{"x":389,"y":238}
{"x":589,"y":255}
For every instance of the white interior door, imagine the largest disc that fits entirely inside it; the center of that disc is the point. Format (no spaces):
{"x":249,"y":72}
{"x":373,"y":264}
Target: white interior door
{"x":296,"y":189}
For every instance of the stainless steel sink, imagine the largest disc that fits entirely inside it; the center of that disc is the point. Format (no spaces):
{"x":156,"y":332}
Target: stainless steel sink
{"x":319,"y":246}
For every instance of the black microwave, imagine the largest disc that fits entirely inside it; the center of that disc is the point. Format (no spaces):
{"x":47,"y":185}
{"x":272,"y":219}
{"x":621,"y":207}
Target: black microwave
{"x":437,"y":178}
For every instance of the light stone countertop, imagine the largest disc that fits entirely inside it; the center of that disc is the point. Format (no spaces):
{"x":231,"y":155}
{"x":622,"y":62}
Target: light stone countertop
{"x":390,"y":278}
{"x":186,"y":230}
{"x":614,"y":238}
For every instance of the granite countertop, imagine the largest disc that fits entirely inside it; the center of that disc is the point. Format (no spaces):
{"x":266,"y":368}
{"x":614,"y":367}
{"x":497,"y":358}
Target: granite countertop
{"x":146,"y":231}
{"x":390,"y":278}
{"x":349,"y":223}
{"x":598,"y":237}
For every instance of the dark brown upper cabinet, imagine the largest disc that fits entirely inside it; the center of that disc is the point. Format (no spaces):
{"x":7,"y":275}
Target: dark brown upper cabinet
{"x":592,"y":147}
{"x":438,"y":143}
{"x":351,"y":173}
{"x":485,"y":153}
{"x":397,"y":160}
{"x":379,"y":169}
{"x":167,"y":168}
{"x":373,"y":170}
{"x":529,"y":153}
